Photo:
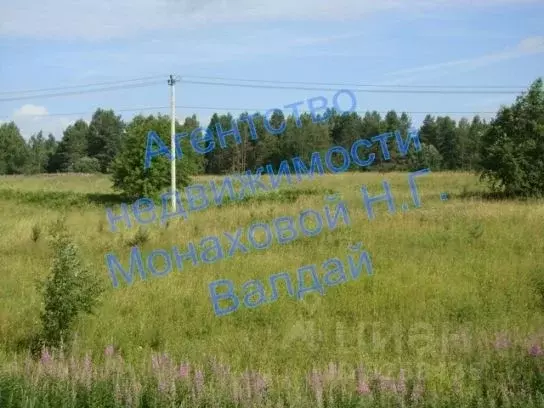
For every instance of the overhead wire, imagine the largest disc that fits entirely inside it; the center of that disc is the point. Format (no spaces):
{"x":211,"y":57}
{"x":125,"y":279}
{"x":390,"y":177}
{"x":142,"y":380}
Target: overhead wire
{"x":396,"y":91}
{"x":521,"y":88}
{"x":60,"y":88}
{"x":112,"y":88}
{"x":121,"y":85}
{"x":216,"y":108}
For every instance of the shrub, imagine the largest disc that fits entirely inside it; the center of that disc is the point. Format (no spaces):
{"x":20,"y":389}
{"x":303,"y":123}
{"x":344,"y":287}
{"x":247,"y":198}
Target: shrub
{"x":69,"y":290}
{"x":86,"y":165}
{"x":513,"y":146}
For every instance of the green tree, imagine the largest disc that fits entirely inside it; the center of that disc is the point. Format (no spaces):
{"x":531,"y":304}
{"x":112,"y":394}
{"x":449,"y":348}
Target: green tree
{"x":428,"y":156}
{"x":222,"y":160}
{"x":70,"y":289}
{"x":13,"y":150}
{"x":104,"y":138}
{"x":512,"y":153}
{"x":38,"y":154}
{"x":51,"y":146}
{"x":474,"y":145}
{"x":448,"y":143}
{"x":128,"y":173}
{"x":463,"y":133}
{"x":71,"y":148}
{"x":428,"y":132}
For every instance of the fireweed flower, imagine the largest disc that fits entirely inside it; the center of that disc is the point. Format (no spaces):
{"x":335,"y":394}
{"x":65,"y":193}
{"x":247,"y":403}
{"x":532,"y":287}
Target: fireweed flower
{"x":362,"y":386}
{"x":183,"y":371}
{"x":259,"y":384}
{"x":536,"y":350}
{"x":46,"y":357}
{"x":109,"y":351}
{"x":199,"y":381}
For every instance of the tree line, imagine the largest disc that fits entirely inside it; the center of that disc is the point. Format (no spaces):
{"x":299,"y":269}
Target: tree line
{"x":91,"y":148}
{"x":108,"y":144}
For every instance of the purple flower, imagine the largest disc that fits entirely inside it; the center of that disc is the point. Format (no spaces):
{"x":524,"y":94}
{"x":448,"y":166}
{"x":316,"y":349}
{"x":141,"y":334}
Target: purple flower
{"x":163,"y":387}
{"x":46,"y":357}
{"x":536,"y":350}
{"x":183,"y":370}
{"x":362,"y":387}
{"x":199,"y":380}
{"x":109,"y":351}
{"x":401,"y":384}
{"x":258,"y":384}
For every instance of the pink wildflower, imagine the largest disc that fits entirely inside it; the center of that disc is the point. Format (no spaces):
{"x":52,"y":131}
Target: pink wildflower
{"x":258,"y":384}
{"x":199,"y":381}
{"x":362,"y":386}
{"x":183,"y":370}
{"x":46,"y":357}
{"x":536,"y":350}
{"x":109,"y":351}
{"x":401,"y":384}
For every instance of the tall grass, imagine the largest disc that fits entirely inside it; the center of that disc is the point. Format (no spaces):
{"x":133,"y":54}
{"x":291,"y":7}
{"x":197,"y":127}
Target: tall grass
{"x":455,"y":302}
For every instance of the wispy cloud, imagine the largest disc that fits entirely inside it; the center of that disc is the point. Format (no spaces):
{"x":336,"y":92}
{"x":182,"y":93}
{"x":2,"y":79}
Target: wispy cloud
{"x":108,"y":19}
{"x":527,"y":46}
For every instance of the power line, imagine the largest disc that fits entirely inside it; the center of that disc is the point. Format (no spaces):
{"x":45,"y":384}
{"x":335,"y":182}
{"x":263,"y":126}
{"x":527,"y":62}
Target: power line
{"x":250,"y":110}
{"x":124,"y":85}
{"x":521,"y":88}
{"x":111,"y":88}
{"x":415,"y":91}
{"x":81,"y":86}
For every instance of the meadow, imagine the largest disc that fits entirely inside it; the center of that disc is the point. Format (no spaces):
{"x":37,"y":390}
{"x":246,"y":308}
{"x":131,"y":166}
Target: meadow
{"x":452,"y":317}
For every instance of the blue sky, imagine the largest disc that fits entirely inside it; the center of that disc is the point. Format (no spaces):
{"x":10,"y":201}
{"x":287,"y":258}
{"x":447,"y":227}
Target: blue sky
{"x":56,"y":43}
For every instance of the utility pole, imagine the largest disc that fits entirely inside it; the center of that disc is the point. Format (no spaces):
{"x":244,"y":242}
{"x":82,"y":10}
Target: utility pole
{"x":172,"y":82}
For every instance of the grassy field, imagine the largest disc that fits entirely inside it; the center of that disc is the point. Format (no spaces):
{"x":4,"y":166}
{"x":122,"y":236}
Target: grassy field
{"x":453,"y":315}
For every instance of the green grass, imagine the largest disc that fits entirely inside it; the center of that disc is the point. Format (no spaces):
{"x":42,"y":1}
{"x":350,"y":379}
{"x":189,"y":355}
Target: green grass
{"x":449,"y":277}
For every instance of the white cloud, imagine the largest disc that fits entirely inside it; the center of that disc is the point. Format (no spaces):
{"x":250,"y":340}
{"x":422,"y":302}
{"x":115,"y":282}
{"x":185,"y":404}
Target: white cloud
{"x":30,"y":119}
{"x":527,"y":46}
{"x":30,"y":110}
{"x":107,"y":19}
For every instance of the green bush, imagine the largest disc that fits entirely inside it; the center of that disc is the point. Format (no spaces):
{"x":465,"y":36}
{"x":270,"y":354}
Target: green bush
{"x":513,"y":147}
{"x":128,"y":173}
{"x":69,"y":290}
{"x":86,"y":165}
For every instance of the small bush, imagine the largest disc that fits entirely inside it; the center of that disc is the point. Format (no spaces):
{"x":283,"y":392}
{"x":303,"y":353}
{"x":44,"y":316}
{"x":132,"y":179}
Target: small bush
{"x":141,"y":237}
{"x":86,"y":165}
{"x":69,"y":290}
